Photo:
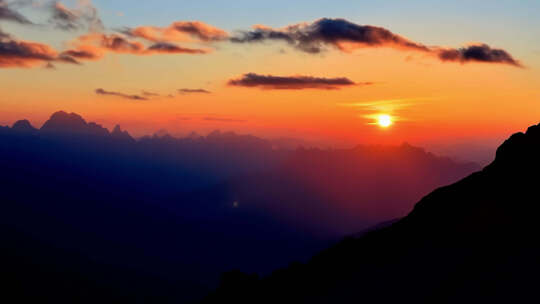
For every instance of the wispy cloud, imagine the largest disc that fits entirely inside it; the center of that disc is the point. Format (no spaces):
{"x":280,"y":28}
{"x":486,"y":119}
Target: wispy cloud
{"x":297,"y":82}
{"x":84,"y":16}
{"x":372,"y":109}
{"x":165,"y":47}
{"x":193,"y":91}
{"x":178,"y":31}
{"x":95,"y":45}
{"x":7,"y":13}
{"x":122,"y":95}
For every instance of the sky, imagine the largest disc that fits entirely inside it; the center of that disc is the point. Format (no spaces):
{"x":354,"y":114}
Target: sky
{"x":445,"y":72}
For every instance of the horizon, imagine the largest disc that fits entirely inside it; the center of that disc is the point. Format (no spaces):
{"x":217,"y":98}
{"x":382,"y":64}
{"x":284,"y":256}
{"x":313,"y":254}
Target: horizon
{"x":433,"y":83}
{"x":463,"y":151}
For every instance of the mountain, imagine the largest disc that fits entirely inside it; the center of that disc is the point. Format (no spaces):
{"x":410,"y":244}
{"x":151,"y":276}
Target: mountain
{"x":475,"y":241}
{"x":62,"y":123}
{"x":23,"y":126}
{"x":119,"y":134}
{"x":181,"y":211}
{"x":337,"y":192}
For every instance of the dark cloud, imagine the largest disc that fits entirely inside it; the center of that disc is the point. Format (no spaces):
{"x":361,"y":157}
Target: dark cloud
{"x":314,"y":37}
{"x":292,"y":82}
{"x":15,"y":53}
{"x":68,"y":59}
{"x":165,"y":47}
{"x":120,"y":44}
{"x":343,"y":35}
{"x":132,"y":97}
{"x":189,"y":91}
{"x":85,"y":16}
{"x":223,"y":119}
{"x":24,"y":54}
{"x":81,"y":54}
{"x":478,"y":53}
{"x":9,"y":14}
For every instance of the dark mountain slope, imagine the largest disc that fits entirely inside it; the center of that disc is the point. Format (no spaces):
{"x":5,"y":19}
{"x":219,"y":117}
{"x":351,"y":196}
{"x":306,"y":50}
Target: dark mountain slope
{"x":476,"y":241}
{"x":36,"y":272}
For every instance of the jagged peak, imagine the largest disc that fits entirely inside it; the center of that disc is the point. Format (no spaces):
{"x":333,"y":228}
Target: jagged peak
{"x":117,"y":130}
{"x":62,"y":115}
{"x":162,"y":133}
{"x":119,"y":133}
{"x":62,"y":122}
{"x":23,"y":125}
{"x":61,"y":119}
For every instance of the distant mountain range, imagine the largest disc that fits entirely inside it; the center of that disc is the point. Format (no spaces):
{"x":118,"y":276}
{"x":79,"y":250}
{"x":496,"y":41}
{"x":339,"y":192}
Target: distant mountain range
{"x":475,"y":241}
{"x":91,"y":215}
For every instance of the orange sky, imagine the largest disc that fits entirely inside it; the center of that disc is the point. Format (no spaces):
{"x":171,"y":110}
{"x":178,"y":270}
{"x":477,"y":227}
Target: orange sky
{"x":430,"y":100}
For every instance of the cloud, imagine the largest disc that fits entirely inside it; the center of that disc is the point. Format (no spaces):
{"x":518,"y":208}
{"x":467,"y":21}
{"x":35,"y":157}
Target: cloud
{"x":200,"y":30}
{"x":94,"y":45}
{"x":63,"y":18}
{"x":150,"y":94}
{"x":478,"y":53}
{"x":292,"y":82}
{"x":4,"y":35}
{"x":164,"y":47}
{"x":84,"y":52}
{"x":189,"y":91}
{"x":85,"y":15}
{"x":81,"y":54}
{"x":223,"y":119}
{"x":126,"y":96}
{"x":178,"y":31}
{"x":24,"y":54}
{"x":119,"y":44}
{"x":345,"y":36}
{"x":9,"y":14}
{"x":337,"y":33}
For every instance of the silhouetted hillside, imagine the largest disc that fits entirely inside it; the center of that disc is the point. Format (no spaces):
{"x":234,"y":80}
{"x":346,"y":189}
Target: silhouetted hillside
{"x":181,"y":211}
{"x":471,"y":242}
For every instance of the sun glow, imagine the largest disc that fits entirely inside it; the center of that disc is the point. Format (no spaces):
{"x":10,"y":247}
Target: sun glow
{"x":384,"y":120}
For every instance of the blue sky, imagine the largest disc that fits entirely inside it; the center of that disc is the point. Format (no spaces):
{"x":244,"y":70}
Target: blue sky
{"x":513,"y":24}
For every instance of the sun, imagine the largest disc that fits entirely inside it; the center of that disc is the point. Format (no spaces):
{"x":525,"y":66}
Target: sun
{"x":384,"y":120}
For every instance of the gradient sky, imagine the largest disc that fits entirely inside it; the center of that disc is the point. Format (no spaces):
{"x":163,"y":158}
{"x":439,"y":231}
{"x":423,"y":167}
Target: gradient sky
{"x":431,"y":100}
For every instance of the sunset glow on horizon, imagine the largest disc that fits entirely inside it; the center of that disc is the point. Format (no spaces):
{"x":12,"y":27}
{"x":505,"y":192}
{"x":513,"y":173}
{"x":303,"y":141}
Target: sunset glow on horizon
{"x":184,"y":70}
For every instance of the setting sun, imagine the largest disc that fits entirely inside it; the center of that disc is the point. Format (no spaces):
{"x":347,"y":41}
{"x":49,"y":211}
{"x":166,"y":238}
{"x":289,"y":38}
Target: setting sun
{"x":384,"y":120}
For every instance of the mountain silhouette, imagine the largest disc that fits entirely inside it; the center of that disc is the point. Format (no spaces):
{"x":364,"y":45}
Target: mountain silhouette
{"x":475,"y":241}
{"x":23,"y":126}
{"x":158,"y":219}
{"x":62,"y":123}
{"x":121,"y":135}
